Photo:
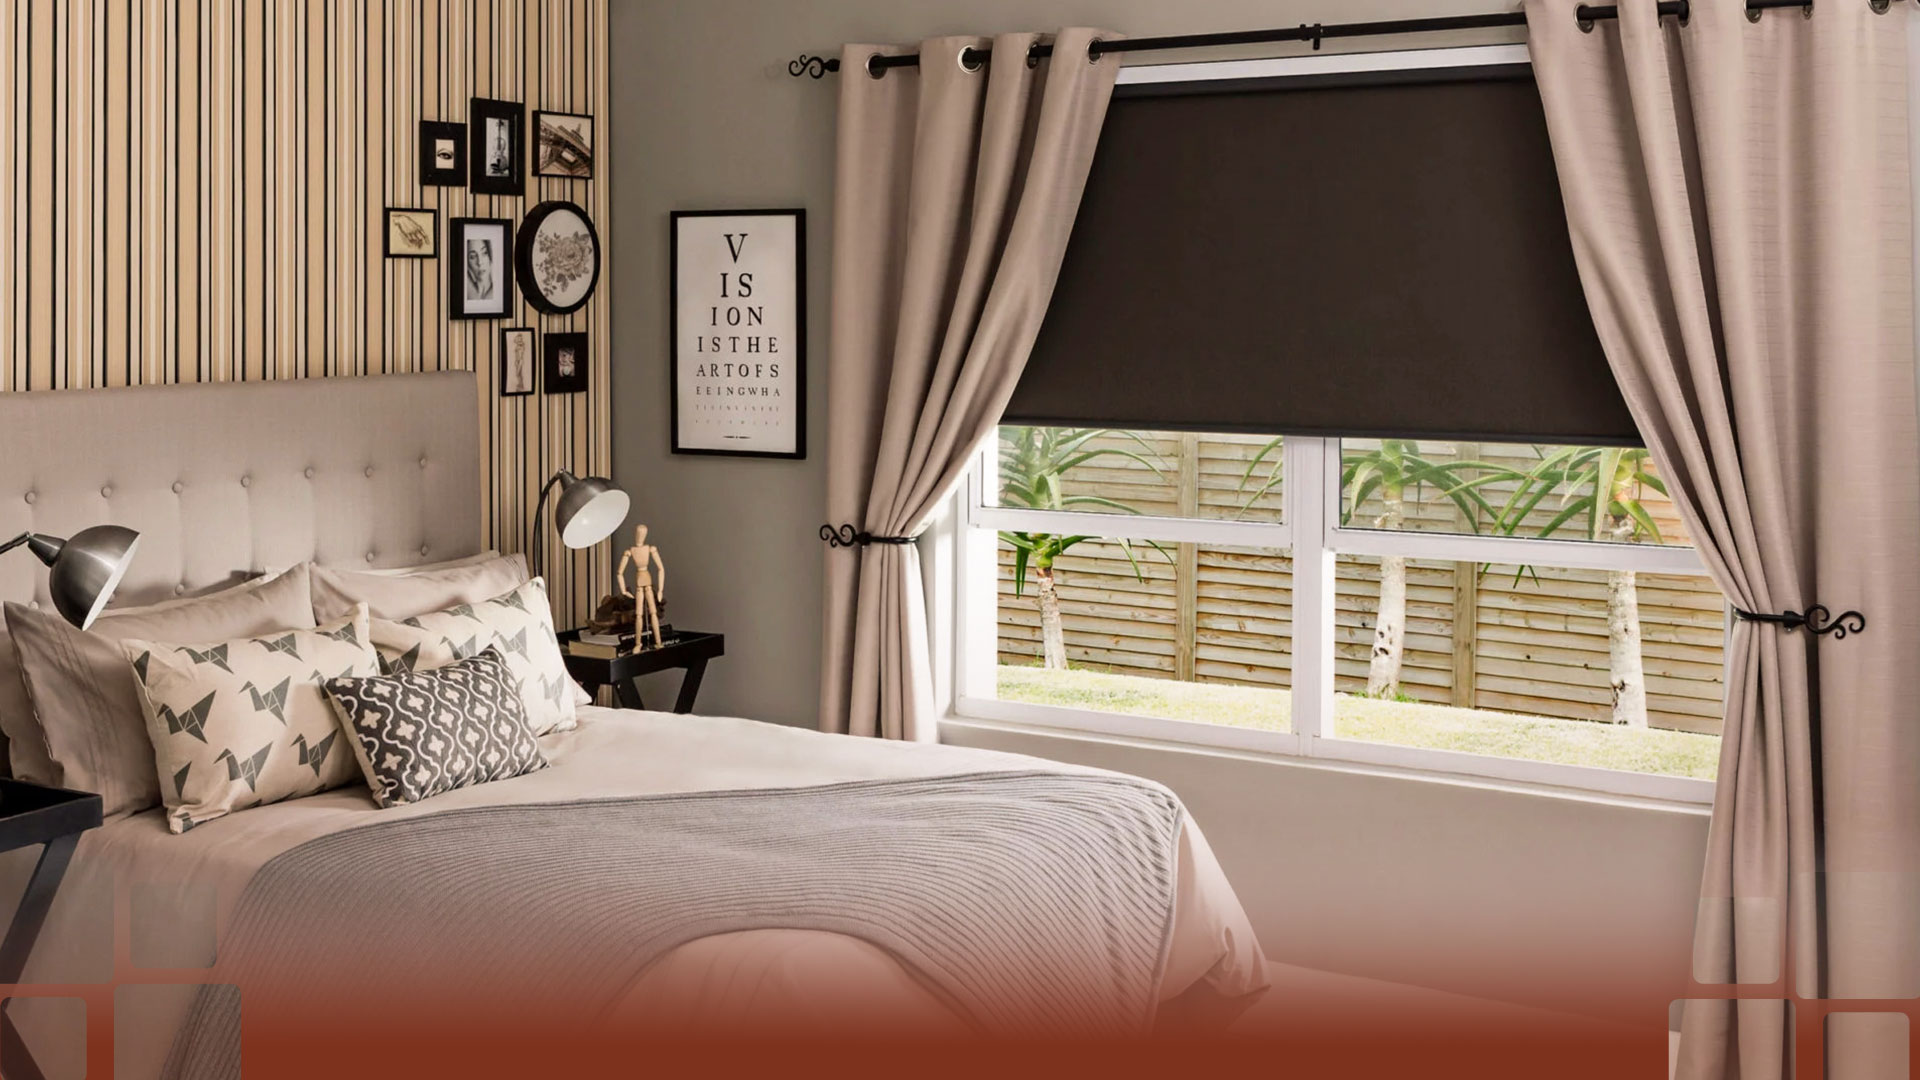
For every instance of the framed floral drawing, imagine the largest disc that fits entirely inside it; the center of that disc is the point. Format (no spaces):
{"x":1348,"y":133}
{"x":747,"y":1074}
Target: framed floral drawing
{"x":558,"y":257}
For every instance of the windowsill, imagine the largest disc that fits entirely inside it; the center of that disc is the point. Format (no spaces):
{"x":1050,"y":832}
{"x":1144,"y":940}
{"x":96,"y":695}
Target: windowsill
{"x":1690,"y":807}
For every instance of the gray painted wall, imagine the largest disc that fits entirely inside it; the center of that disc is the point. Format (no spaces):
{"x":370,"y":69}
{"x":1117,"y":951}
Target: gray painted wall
{"x":1460,"y":887}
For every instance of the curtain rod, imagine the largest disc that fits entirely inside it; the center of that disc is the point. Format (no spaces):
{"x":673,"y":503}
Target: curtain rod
{"x":1586,"y":15}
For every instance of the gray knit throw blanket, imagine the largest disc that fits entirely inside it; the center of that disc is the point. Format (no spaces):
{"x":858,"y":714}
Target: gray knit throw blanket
{"x":1033,"y":903}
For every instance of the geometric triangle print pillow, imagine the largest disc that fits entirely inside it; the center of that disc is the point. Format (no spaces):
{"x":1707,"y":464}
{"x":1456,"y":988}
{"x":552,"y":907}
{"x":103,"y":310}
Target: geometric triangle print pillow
{"x":519,"y":623}
{"x":236,"y":724}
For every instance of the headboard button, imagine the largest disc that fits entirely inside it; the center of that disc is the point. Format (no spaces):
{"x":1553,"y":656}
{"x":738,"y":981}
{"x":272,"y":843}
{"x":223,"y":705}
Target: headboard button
{"x":369,"y":556}
{"x":369,"y":472}
{"x":246,"y":481}
{"x":180,"y":589}
{"x":31,"y":497}
{"x":178,"y":487}
{"x":309,"y":472}
{"x":423,"y":461}
{"x":107,"y":492}
{"x":423,"y":550}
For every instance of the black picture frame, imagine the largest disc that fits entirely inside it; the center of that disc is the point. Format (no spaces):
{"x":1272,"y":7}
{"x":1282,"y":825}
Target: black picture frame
{"x":493,"y":169}
{"x":412,"y":212}
{"x":507,"y":336}
{"x":566,"y":382}
{"x":502,"y":266}
{"x":567,"y":161}
{"x":798,"y":355}
{"x":526,"y":251}
{"x":432,"y":172}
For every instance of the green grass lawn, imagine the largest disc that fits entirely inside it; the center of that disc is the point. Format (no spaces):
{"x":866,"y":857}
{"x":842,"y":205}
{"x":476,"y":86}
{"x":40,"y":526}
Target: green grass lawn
{"x":1436,"y":727}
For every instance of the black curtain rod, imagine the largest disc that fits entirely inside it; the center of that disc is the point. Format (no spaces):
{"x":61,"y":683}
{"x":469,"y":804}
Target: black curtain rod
{"x":1586,"y":15}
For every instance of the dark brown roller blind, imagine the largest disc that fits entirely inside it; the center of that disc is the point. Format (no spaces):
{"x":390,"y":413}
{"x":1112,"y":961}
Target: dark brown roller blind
{"x":1320,"y":256}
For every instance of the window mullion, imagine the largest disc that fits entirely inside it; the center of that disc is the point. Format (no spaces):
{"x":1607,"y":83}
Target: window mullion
{"x":1307,"y":503}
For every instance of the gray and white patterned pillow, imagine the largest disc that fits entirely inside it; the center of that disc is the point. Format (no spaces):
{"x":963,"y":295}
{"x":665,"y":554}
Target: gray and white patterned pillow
{"x":418,"y":734}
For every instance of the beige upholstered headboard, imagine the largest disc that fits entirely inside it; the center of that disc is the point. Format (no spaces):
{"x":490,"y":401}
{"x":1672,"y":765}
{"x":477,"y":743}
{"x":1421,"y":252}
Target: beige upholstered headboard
{"x":227,"y":479}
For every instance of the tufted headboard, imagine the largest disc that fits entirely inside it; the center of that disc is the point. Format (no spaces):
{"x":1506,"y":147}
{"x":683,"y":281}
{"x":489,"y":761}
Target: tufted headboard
{"x":228,"y":479}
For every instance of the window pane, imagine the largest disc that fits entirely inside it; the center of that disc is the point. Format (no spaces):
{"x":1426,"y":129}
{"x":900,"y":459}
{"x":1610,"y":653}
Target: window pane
{"x":1180,"y":631}
{"x":1157,"y":473}
{"x":1502,"y":489}
{"x":1521,"y":663}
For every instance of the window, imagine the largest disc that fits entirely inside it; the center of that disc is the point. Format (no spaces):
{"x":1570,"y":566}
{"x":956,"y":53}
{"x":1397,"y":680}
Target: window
{"x":1526,"y":612}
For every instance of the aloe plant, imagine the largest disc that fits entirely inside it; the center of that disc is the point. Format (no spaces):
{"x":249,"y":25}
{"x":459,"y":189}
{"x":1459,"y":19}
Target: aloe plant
{"x":1601,"y":494}
{"x":1034,"y":463}
{"x":1391,"y":470}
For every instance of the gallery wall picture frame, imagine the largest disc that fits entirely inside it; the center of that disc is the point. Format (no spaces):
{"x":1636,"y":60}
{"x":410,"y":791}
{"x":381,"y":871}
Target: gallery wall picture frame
{"x":480,"y":269}
{"x":562,"y":145}
{"x":566,"y":363}
{"x":738,"y":320}
{"x":443,"y":153}
{"x":557,"y":257}
{"x":412,"y":232}
{"x":496,"y":142}
{"x":519,"y":361}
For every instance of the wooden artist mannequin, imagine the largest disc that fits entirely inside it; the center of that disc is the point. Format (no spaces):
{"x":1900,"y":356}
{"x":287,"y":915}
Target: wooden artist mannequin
{"x":647,"y":592}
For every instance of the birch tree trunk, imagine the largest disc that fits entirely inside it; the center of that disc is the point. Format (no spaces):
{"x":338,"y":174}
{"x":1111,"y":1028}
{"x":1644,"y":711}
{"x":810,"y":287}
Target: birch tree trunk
{"x":1390,"y":624}
{"x":1053,"y":640}
{"x":1626,"y":671}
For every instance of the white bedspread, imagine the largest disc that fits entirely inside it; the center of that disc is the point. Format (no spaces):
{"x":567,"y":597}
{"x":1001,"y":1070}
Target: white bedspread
{"x":808,"y":978}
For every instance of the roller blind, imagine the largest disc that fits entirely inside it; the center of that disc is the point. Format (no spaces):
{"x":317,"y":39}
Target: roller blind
{"x":1382,"y":255}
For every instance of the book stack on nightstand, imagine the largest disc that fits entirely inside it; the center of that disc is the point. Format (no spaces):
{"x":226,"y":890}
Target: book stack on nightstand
{"x":604,"y":646}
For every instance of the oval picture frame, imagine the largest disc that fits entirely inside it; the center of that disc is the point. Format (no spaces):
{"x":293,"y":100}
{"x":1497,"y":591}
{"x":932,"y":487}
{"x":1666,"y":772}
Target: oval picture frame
{"x":549,"y":280}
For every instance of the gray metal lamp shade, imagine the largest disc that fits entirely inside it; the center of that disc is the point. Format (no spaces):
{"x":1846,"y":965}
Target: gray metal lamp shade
{"x":589,"y":510}
{"x":84,"y":571}
{"x":588,"y":513}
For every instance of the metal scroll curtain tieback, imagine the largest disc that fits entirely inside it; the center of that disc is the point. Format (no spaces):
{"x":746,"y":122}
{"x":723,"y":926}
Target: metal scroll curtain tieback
{"x":1817,"y":619}
{"x":848,"y":536}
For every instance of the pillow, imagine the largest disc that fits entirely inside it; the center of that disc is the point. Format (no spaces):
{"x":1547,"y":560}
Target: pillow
{"x":517,"y":622}
{"x":402,"y":571}
{"x":421,"y":733}
{"x":235,"y":724}
{"x":86,"y":721}
{"x":402,"y":596}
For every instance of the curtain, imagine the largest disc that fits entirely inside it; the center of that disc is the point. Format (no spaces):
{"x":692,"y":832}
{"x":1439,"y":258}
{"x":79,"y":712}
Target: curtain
{"x":956,"y":193}
{"x":1737,"y":192}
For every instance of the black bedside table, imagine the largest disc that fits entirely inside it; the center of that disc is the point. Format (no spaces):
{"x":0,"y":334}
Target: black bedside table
{"x":31,"y":814}
{"x":688,"y":650}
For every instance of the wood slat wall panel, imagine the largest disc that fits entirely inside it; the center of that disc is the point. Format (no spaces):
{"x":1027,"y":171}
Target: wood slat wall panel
{"x":197,"y":189}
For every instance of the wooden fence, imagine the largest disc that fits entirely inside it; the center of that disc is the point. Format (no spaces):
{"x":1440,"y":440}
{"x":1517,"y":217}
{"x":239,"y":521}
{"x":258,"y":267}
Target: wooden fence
{"x":1477,"y":636}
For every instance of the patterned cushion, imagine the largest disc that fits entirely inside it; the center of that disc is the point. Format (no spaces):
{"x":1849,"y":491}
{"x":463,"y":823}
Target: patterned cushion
{"x":421,"y":733}
{"x":236,"y":724}
{"x":518,"y":623}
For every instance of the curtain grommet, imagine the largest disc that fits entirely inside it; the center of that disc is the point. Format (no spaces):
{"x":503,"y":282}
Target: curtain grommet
{"x":1093,"y":51}
{"x":1582,"y":19}
{"x":1753,"y":15}
{"x":876,"y":69}
{"x":1879,"y":6}
{"x":1033,"y":56}
{"x":970,"y":61}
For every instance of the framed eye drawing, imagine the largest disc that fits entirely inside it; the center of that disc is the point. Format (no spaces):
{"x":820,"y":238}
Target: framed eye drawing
{"x":480,"y":273}
{"x":558,"y":257}
{"x":443,"y":154}
{"x":497,"y":151}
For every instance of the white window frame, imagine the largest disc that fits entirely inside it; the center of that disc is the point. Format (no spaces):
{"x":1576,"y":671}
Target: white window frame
{"x":1310,"y":531}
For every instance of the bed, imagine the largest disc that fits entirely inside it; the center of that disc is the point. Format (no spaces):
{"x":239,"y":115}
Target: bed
{"x":232,"y":480}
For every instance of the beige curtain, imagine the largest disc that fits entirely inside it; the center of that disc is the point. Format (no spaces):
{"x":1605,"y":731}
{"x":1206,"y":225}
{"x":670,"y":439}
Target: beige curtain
{"x":1739,"y":203}
{"x":956,"y":193}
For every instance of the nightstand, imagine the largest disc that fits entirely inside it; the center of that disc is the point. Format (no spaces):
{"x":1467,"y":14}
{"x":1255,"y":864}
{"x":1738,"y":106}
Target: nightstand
{"x":31,"y":814}
{"x":690,"y":651}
